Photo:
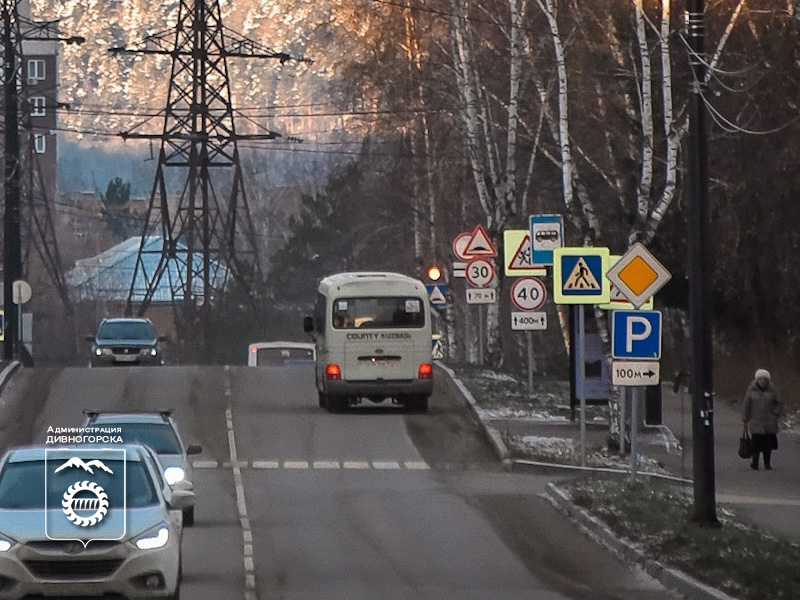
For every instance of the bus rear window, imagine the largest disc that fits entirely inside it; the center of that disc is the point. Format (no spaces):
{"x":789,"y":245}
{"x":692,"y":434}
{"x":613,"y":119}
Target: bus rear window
{"x":378,"y":313}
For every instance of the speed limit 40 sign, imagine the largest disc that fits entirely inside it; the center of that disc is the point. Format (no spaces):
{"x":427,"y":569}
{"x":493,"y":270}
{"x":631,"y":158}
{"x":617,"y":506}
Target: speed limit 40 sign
{"x":480,"y":272}
{"x":528,"y":293}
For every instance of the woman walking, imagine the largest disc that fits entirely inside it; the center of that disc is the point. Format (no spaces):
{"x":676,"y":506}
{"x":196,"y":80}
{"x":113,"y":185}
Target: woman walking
{"x":760,"y":415}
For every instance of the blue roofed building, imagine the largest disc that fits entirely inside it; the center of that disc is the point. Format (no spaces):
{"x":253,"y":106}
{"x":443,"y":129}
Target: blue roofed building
{"x":106,"y":278}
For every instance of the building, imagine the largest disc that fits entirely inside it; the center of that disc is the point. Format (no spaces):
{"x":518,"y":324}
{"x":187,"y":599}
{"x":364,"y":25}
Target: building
{"x":106,"y":279}
{"x":39,"y":109}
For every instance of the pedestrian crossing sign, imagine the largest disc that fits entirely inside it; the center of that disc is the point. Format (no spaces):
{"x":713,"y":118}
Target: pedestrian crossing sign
{"x":437,"y":293}
{"x":437,"y":347}
{"x":579,"y":275}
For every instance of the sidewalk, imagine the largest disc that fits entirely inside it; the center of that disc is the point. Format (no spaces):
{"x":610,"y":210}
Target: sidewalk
{"x":770,"y":499}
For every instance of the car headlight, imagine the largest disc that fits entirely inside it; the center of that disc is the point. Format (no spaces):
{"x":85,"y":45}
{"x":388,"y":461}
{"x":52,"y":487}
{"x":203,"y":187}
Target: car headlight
{"x":103,"y":352}
{"x":173,"y":475}
{"x":153,"y":539}
{"x":5,"y":544}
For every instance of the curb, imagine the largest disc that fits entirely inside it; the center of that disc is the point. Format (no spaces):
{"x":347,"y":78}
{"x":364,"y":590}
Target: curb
{"x":7,"y":372}
{"x":672,"y":579}
{"x":492,"y":434}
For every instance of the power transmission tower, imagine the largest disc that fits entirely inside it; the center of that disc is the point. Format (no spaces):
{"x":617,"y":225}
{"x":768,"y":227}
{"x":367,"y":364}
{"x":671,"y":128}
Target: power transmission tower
{"x":208,"y":236}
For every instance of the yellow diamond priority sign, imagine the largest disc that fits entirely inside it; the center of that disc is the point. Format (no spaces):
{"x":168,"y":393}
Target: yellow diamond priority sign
{"x":638,"y":275}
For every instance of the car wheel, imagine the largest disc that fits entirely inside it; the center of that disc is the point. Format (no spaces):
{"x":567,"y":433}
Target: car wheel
{"x":323,"y":400}
{"x":188,"y":516}
{"x":417,"y":403}
{"x":336,"y":404}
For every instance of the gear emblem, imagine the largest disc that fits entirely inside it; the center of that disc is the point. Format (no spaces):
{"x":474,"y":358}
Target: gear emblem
{"x":85,"y":503}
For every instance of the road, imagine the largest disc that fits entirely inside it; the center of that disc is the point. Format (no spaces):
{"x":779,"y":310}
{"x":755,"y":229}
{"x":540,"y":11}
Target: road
{"x":296,"y":503}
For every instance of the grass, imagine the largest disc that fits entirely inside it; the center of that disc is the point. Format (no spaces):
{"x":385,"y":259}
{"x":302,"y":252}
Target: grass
{"x":736,"y":557}
{"x":509,"y":392}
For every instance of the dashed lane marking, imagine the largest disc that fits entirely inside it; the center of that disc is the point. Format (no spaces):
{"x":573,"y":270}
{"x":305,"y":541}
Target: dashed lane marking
{"x":241,"y":503}
{"x":326,"y":464}
{"x":266,"y":464}
{"x":320,"y":465}
{"x":295,"y":464}
{"x":392,"y":465}
{"x":355,"y":464}
{"x":417,"y":466}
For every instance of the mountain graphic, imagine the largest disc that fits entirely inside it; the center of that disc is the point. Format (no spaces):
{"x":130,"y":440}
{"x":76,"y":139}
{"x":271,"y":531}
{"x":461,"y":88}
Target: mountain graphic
{"x":77,"y":462}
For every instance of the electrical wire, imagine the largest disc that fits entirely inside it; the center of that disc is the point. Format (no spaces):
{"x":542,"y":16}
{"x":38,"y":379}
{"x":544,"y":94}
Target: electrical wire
{"x":730,"y":127}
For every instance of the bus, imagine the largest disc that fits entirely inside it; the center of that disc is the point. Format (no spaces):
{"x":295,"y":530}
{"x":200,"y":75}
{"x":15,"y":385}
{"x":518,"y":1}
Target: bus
{"x":372,"y":333}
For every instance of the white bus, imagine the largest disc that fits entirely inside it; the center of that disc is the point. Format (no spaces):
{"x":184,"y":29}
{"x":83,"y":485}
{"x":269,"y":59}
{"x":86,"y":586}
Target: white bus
{"x":373,"y":338}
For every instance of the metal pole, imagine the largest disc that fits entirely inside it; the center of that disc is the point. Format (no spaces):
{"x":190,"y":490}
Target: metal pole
{"x":481,"y":328}
{"x":580,"y":358}
{"x":12,"y":251}
{"x":634,"y":431}
{"x":468,"y":333}
{"x":623,"y":397}
{"x":699,"y":276}
{"x":531,"y":361}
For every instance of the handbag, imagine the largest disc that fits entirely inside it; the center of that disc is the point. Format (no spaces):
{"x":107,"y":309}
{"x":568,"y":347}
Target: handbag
{"x":745,"y":445}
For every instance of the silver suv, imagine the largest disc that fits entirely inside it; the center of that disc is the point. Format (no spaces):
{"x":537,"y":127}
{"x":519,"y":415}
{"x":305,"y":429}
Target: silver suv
{"x":50,"y":507}
{"x":158,"y":431}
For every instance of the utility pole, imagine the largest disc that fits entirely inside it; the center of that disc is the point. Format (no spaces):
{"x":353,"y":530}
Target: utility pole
{"x":702,"y":388}
{"x":12,"y":247}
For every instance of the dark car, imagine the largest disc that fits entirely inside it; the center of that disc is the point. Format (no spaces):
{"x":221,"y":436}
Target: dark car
{"x":127,"y":341}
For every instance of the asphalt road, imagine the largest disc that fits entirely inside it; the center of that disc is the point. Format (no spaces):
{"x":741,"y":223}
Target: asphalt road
{"x":377,"y":503}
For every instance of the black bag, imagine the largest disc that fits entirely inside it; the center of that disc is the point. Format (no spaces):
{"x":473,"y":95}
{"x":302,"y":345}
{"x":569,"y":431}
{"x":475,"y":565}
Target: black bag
{"x":745,"y":445}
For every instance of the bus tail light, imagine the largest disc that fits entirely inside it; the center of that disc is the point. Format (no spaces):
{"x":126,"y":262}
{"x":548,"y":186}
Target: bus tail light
{"x":426,"y":371}
{"x":333,"y":372}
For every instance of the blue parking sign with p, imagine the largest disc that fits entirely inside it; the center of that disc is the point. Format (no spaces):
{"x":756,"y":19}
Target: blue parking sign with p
{"x":636,"y":334}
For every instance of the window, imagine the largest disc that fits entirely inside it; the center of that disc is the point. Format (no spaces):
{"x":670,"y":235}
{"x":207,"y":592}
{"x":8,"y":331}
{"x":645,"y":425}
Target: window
{"x":39,"y":143}
{"x":381,"y":312}
{"x":126,"y":330}
{"x":36,"y":70}
{"x":38,"y":106}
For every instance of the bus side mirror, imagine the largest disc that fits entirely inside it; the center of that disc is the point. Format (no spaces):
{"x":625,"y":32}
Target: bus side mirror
{"x":308,"y":324}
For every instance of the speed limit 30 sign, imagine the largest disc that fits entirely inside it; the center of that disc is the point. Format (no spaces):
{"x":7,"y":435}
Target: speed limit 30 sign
{"x":480,"y":272}
{"x":528,"y":293}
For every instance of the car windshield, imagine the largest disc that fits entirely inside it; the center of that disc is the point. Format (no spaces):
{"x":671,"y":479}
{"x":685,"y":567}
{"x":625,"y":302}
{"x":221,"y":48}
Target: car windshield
{"x":159,"y":436}
{"x":280,"y":356}
{"x":126,"y":330}
{"x":382,"y":313}
{"x":22,"y":484}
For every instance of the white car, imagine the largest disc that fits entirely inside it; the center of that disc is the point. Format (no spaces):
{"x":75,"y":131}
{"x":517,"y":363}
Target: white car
{"x":261,"y":354}
{"x":134,"y":553}
{"x":158,"y":431}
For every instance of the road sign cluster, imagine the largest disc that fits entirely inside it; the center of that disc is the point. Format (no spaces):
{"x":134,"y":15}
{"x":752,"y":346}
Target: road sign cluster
{"x":624,"y":285}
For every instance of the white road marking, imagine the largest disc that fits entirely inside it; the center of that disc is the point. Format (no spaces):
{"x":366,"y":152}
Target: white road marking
{"x":351,"y":464}
{"x":241,"y":503}
{"x":295,"y":464}
{"x":417,"y":466}
{"x":411,"y":465}
{"x":205,"y":464}
{"x":266,"y":464}
{"x":326,"y":464}
{"x":385,"y":465}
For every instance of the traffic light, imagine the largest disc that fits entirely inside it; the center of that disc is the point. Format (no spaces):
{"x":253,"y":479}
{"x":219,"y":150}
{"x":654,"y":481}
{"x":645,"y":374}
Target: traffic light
{"x":434,"y":273}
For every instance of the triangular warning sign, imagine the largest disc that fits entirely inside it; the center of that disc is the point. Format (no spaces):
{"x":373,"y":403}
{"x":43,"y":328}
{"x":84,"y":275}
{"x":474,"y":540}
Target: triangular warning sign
{"x":522,"y":259}
{"x":581,"y":277}
{"x":437,"y":297}
{"x":480,"y":244}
